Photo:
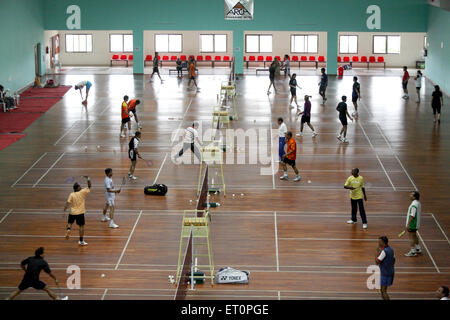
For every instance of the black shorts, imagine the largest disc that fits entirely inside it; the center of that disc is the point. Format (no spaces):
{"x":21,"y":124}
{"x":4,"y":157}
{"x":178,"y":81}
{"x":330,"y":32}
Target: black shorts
{"x":125,"y":120}
{"x":354,"y":98}
{"x":405,"y":85}
{"x":294,"y":92}
{"x":436,"y":109}
{"x":79,"y":218}
{"x":289,"y":162}
{"x":418,"y":88}
{"x":322,"y":89}
{"x":36,"y":284}
{"x":306,"y":119}
{"x":132,"y":155}
{"x":343,"y":120}
{"x":272,"y":78}
{"x":191,"y":77}
{"x":155,"y":69}
{"x":412,"y":230}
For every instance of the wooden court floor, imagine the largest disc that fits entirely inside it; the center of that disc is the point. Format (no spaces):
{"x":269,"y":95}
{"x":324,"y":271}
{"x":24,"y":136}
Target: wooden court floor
{"x":292,"y":237}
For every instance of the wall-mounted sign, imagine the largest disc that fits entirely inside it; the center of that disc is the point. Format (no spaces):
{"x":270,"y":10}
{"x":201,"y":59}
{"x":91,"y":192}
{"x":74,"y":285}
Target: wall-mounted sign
{"x":374,"y":20}
{"x":239,"y":9}
{"x":74,"y":20}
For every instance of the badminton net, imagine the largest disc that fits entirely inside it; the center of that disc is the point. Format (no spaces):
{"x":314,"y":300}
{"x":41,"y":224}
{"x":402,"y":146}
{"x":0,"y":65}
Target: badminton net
{"x":203,"y":194}
{"x":183,"y":279}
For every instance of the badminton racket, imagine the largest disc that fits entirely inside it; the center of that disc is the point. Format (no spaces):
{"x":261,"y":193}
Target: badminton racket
{"x":401,"y":234}
{"x":148,"y":162}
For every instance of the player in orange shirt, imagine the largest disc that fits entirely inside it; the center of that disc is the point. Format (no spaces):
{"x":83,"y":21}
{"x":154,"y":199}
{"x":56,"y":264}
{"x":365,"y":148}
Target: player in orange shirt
{"x":289,"y":157}
{"x":125,"y":118}
{"x":192,"y":74}
{"x":132,"y":107}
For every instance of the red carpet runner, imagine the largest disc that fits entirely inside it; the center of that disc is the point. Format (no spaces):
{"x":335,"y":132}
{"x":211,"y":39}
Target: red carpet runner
{"x":33,"y":103}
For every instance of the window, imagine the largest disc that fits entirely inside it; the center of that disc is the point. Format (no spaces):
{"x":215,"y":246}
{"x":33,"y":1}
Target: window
{"x":121,"y":43}
{"x":78,"y":43}
{"x":258,"y":43}
{"x":168,"y":43}
{"x":386,"y":44}
{"x":348,"y":44}
{"x":304,"y":43}
{"x":425,"y":41}
{"x":213,"y":43}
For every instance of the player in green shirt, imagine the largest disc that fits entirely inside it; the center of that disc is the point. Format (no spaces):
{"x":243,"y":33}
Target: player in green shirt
{"x":413,"y":224}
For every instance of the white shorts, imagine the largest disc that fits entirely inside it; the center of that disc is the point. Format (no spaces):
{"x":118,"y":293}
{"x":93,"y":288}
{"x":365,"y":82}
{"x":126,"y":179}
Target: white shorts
{"x":110,"y":202}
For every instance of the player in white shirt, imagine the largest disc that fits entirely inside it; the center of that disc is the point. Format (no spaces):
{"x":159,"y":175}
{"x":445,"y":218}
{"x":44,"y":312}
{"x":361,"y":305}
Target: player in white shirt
{"x":413,"y":224}
{"x":418,"y":79}
{"x":282,"y":130}
{"x":110,"y":195}
{"x":190,"y":137}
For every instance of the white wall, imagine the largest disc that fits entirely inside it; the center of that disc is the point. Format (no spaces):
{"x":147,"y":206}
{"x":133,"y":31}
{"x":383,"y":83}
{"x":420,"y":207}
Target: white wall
{"x":100,"y":54}
{"x":411,"y":45}
{"x":191,"y":43}
{"x":281,"y":43}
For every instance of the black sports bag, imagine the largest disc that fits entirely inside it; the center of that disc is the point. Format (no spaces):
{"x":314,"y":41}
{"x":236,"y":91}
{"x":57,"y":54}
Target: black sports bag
{"x":156,"y":190}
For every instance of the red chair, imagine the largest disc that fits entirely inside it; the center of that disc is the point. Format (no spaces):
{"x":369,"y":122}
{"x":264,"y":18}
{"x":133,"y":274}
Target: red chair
{"x":191,"y":57}
{"x":209,"y":58}
{"x":115,"y":57}
{"x":268,"y":59}
{"x":148,"y":57}
{"x":159,"y":58}
{"x":251,"y":58}
{"x":339,"y":59}
{"x":346,"y":59}
{"x":372,"y":59}
{"x":355,"y":59}
{"x":303,"y":58}
{"x":245,"y":58}
{"x":124,"y":57}
{"x":183,"y":57}
{"x":218,"y":58}
{"x":199,"y":58}
{"x":380,"y":59}
{"x":312,"y":58}
{"x":260,"y":58}
{"x":278,"y":58}
{"x":363,"y":59}
{"x":173,"y":58}
{"x":321,"y":59}
{"x":165,"y":58}
{"x":226,"y":58}
{"x":130,"y":57}
{"x":294,"y":58}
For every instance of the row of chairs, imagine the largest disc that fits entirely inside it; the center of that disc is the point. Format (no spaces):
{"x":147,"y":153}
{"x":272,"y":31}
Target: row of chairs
{"x":300,"y":59}
{"x":149,"y":58}
{"x":363,"y":59}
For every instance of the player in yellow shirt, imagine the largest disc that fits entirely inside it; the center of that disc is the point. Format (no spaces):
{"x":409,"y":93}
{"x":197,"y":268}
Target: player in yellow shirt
{"x":355,"y":183}
{"x":76,"y":201}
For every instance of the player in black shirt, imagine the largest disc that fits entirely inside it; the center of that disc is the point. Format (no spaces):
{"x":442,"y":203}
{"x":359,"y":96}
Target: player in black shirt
{"x":272,"y":69}
{"x":436,"y":103}
{"x":343,"y":114}
{"x":33,"y":267}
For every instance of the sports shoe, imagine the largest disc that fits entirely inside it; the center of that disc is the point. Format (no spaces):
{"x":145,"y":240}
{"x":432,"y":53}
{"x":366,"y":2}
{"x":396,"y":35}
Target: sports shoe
{"x":105,"y":218}
{"x":297,"y":178}
{"x":132,"y":177}
{"x":67,"y":234}
{"x":122,"y":135}
{"x":139,"y":126}
{"x":364,"y":225}
{"x":351,"y":222}
{"x":284,"y":177}
{"x":113,"y":225}
{"x":82,"y":243}
{"x":314,"y":134}
{"x":411,"y":254}
{"x":299,"y":134}
{"x":418,"y":251}
{"x":345,"y":140}
{"x":339,"y":137}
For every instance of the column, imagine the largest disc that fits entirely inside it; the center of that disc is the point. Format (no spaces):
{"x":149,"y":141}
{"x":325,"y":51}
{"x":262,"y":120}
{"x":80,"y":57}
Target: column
{"x":238,"y":51}
{"x":138,"y":51}
{"x":332,"y":49}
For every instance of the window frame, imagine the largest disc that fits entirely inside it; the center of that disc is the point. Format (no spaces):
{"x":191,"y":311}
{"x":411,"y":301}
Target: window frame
{"x":214,"y":42}
{"x":304,"y":35}
{"x":123,"y":42}
{"x":357,"y":43}
{"x":79,"y":34}
{"x":386,"y":36}
{"x":259,"y":42}
{"x":168,"y":42}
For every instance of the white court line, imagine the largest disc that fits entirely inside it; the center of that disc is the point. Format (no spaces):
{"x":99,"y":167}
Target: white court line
{"x":175,"y":135}
{"x":336,"y":239}
{"x":384,"y":137}
{"x":23,"y":175}
{"x":84,"y":131}
{"x":279,"y":295}
{"x":7,"y":214}
{"x":271,"y":156}
{"x":59,"y":236}
{"x":378,"y":158}
{"x":65,"y":134}
{"x":46,"y":172}
{"x":128,"y":241}
{"x":440,"y":228}
{"x":99,"y":169}
{"x":426,"y":248}
{"x":276,"y":239}
{"x":406,"y":172}
{"x":104,"y":294}
{"x":160,"y":169}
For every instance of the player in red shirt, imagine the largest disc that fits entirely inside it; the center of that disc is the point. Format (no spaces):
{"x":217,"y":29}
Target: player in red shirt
{"x":289,"y":157}
{"x":405,"y":82}
{"x":132,"y":107}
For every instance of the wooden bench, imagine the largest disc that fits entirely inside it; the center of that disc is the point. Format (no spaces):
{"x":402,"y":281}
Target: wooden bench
{"x":262,"y":70}
{"x":182,"y":70}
